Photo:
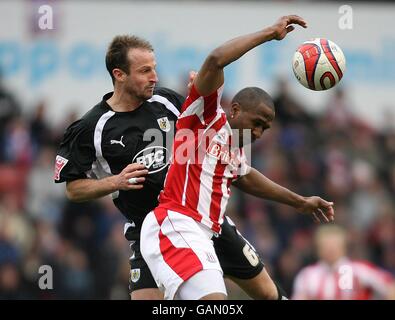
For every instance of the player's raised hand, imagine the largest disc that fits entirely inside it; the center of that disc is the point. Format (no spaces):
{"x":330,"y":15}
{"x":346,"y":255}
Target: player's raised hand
{"x":284,"y":25}
{"x":131,"y":177}
{"x":192,"y":75}
{"x":319,"y":209}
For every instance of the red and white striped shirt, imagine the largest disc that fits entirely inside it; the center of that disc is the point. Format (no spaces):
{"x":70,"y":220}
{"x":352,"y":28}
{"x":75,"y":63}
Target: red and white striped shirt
{"x":346,"y":280}
{"x":204,"y":163}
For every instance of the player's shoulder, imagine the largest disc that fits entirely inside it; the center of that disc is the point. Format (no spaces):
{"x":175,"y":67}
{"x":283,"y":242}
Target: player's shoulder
{"x":88,"y":121}
{"x":365,"y":266}
{"x":163,"y":91}
{"x":93,"y":115}
{"x":367,"y":269}
{"x":309,"y":269}
{"x":169,"y":94}
{"x":167,"y":97}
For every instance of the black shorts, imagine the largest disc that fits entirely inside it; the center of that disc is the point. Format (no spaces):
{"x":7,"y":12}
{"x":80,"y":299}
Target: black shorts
{"x":236,"y":255}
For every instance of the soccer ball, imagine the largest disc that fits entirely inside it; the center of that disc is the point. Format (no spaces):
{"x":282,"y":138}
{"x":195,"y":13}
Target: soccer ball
{"x":319,"y":64}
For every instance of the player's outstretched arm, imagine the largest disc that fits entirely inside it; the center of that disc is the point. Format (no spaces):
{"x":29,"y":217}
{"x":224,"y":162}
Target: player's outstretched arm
{"x":131,"y":178}
{"x":255,"y":183}
{"x":211,"y":77}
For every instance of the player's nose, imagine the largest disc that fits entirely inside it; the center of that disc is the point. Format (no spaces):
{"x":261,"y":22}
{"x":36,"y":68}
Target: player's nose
{"x":154,"y":77}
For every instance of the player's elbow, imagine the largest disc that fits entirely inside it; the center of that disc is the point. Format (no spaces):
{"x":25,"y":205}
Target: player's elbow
{"x":73,"y":195}
{"x":214,"y":60}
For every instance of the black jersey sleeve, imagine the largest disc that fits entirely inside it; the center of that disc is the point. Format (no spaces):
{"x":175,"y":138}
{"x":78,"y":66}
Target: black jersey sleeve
{"x":76,"y":152}
{"x":172,"y":96}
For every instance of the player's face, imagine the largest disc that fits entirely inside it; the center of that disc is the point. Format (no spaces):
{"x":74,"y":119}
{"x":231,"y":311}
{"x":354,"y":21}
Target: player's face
{"x":258,"y":120}
{"x":142,"y":77}
{"x":331,"y":248}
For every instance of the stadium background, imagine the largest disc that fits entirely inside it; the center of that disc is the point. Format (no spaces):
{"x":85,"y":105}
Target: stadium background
{"x":339,"y":144}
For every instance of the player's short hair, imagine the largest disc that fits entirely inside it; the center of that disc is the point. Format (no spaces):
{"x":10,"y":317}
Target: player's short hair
{"x":329,"y":229}
{"x":117,"y":52}
{"x":251,"y":97}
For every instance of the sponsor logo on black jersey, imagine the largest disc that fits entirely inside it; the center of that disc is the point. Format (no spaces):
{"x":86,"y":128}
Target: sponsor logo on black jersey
{"x":59,"y":165}
{"x":155,"y":159}
{"x":118,"y":142}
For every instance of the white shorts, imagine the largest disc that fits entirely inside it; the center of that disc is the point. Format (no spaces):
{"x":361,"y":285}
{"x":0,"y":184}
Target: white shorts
{"x":201,"y":284}
{"x":176,"y":247}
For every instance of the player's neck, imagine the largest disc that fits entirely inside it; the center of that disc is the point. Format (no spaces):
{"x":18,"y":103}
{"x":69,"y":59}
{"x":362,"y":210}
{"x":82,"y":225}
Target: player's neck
{"x":335,"y":262}
{"x":121,"y":101}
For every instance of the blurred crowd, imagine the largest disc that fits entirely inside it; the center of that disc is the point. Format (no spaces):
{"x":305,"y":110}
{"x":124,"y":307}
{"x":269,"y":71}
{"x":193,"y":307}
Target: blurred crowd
{"x":332,"y":154}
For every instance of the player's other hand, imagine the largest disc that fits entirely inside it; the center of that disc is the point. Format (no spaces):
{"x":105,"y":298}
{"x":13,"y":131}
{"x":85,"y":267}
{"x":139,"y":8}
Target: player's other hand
{"x":319,"y":209}
{"x":284,"y":25}
{"x":192,"y":76}
{"x":131,"y":177}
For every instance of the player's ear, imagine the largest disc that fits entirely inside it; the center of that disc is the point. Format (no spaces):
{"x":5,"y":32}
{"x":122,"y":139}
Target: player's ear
{"x":235,"y":110}
{"x":118,"y":74}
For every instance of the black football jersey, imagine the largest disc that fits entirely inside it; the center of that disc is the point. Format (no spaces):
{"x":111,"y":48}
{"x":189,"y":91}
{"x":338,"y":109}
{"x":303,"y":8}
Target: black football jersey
{"x":103,"y":142}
